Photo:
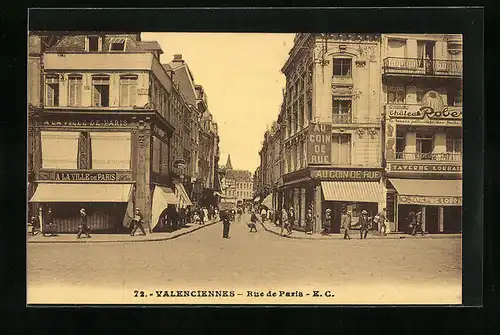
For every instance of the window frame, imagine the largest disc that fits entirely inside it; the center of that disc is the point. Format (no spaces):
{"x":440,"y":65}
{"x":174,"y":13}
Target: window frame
{"x":342,"y":60}
{"x":396,"y":90}
{"x":129,"y":81}
{"x":50,"y":80}
{"x":339,"y":143}
{"x":87,"y":43}
{"x":75,"y":80}
{"x":98,"y":80}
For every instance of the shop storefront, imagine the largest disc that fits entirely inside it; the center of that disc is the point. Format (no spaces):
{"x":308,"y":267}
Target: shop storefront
{"x":334,"y":188}
{"x":439,"y":200}
{"x":107,"y":164}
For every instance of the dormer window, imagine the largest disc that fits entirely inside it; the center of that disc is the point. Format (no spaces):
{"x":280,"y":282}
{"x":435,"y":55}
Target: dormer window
{"x":93,"y":44}
{"x":117,"y":44}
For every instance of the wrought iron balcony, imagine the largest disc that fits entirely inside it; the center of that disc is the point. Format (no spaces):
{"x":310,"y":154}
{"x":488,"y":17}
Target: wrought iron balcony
{"x":342,"y":118}
{"x":424,"y":67}
{"x":415,"y":156}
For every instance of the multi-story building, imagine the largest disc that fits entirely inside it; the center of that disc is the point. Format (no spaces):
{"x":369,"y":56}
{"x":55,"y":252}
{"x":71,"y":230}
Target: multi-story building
{"x":107,"y":129}
{"x":238,"y":184}
{"x":422,"y":108}
{"x":269,"y":168}
{"x":331,"y":126}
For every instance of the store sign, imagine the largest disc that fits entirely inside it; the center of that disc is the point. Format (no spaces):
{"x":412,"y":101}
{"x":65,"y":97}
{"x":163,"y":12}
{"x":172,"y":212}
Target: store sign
{"x":84,"y":175}
{"x":429,"y":200}
{"x":412,"y":114}
{"x":405,"y":167}
{"x":363,"y":175}
{"x":86,"y":123}
{"x":319,"y":143}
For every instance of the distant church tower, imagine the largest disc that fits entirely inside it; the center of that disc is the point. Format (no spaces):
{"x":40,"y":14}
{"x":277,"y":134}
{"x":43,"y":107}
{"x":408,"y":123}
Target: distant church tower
{"x":229,"y":166}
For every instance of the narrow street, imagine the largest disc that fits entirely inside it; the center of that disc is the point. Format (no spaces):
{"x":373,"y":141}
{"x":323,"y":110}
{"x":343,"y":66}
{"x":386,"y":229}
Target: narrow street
{"x":355,"y":271}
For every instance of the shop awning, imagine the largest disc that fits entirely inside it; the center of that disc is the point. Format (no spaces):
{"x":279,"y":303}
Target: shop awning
{"x":182,"y":195}
{"x":355,"y":191}
{"x":48,"y":192}
{"x":425,"y":187}
{"x":268,"y":201}
{"x":162,"y":197}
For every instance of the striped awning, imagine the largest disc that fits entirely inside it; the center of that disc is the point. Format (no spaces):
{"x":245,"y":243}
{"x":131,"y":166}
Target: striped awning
{"x":432,"y":188}
{"x":48,"y":192}
{"x":355,"y":191}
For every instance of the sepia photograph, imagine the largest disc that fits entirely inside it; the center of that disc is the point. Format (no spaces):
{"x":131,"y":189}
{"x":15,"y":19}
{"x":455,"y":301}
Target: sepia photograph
{"x":216,"y":168}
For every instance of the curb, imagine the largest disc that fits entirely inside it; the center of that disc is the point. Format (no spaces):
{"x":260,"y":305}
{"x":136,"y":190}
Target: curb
{"x":130,"y":241}
{"x":401,"y":236}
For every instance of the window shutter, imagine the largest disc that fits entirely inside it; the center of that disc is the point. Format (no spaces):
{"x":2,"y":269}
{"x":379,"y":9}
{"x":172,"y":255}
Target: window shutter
{"x":50,"y":96}
{"x":123,"y":93}
{"x":132,"y":93}
{"x":96,"y":97}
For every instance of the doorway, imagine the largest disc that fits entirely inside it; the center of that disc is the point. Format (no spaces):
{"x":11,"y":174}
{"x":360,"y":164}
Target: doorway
{"x":452,"y":220}
{"x":431,"y":219}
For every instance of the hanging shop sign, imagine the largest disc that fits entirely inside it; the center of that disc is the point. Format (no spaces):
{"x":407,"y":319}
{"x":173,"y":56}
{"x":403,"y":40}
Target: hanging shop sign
{"x":337,"y":174}
{"x":319,"y":143}
{"x":406,"y":167}
{"x":415,"y":114}
{"x":84,"y":176}
{"x":429,"y":200}
{"x":86,"y":123}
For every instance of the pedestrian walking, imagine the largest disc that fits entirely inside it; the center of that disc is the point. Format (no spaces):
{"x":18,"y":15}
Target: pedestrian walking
{"x":35,"y":226}
{"x":83,"y":228}
{"x":253,"y":222}
{"x":418,"y":224}
{"x":291,"y":217}
{"x":49,"y":227}
{"x":205,"y":215}
{"x":285,"y":223}
{"x":226,"y":223}
{"x":137,"y":223}
{"x":345,"y":223}
{"x":364,"y":222}
{"x":263,"y":214}
{"x":327,"y":222}
{"x":380,"y":219}
{"x":239,"y":212}
{"x":309,"y":222}
{"x":412,"y":222}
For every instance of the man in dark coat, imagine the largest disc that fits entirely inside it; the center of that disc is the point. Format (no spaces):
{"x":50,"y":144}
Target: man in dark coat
{"x":309,"y":221}
{"x":364,"y":222}
{"x":226,"y":223}
{"x":83,"y":228}
{"x":345,"y":223}
{"x":412,"y":221}
{"x":418,"y":223}
{"x":327,"y":222}
{"x":49,"y":228}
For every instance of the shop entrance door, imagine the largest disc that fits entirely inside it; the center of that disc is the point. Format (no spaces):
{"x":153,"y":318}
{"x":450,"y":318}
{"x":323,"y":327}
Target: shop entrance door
{"x":452,"y":219}
{"x":431,"y":219}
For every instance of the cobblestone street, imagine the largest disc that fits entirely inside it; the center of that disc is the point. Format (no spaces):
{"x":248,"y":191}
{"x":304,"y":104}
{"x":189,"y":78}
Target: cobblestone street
{"x":385,"y":271}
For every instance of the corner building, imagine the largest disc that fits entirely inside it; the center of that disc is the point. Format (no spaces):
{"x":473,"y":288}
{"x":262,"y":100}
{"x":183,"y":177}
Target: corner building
{"x":331,"y":127}
{"x":101,"y":136}
{"x":422,"y":95}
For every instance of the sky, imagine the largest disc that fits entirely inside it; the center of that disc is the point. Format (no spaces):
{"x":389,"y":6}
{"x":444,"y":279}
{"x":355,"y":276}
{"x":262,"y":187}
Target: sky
{"x":241,"y":75}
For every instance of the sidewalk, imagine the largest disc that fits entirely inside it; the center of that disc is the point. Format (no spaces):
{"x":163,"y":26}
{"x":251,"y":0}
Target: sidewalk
{"x":111,"y":238}
{"x":270,"y":227}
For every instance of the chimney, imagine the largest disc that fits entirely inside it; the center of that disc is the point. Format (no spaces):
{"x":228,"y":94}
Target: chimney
{"x":178,"y":58}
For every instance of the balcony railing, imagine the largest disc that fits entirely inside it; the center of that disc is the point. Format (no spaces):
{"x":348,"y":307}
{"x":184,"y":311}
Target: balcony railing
{"x":342,"y":118}
{"x":418,"y":66}
{"x":446,"y":156}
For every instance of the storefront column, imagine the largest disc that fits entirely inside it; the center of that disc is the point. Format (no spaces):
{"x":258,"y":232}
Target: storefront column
{"x":423,"y":218}
{"x":303,"y":205}
{"x":296,"y":205}
{"x":143,"y":189}
{"x":441,"y":219}
{"x":318,"y":209}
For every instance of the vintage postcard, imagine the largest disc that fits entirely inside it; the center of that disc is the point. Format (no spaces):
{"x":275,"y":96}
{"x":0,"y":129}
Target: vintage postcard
{"x":244,"y":168}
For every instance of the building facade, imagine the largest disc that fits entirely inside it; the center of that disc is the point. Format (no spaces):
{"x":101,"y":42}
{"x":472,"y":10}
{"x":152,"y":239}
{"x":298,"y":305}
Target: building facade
{"x":331,"y":123}
{"x":237,"y":184}
{"x":109,"y":130}
{"x":422,"y":95}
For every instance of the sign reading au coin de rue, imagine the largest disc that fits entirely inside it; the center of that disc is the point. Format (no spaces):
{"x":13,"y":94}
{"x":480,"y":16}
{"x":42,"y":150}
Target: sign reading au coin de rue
{"x":426,"y":167}
{"x":362,"y":175}
{"x":319,"y":143}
